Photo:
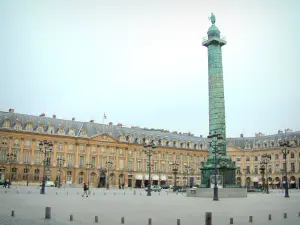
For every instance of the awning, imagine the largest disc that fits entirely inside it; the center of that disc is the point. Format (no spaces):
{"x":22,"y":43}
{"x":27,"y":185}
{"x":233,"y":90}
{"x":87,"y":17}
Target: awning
{"x":292,"y":182}
{"x":163,"y":178}
{"x":284,"y":182}
{"x":155,"y":177}
{"x":260,"y":182}
{"x":255,"y":179}
{"x":146,"y":177}
{"x":276,"y":182}
{"x":138,"y":177}
{"x":270,"y":183}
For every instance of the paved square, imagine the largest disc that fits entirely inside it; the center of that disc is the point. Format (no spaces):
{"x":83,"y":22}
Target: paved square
{"x":164,"y":208}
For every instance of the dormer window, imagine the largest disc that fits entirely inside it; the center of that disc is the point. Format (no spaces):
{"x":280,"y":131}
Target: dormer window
{"x":71,"y":132}
{"x":195,"y":146}
{"x":18,"y":126}
{"x":4,"y":141}
{"x":6,"y":123}
{"x":181,"y":145}
{"x":83,"y":133}
{"x":50,"y":129}
{"x":29,"y":126}
{"x":40,"y":128}
{"x":174,"y":143}
{"x":61,"y":131}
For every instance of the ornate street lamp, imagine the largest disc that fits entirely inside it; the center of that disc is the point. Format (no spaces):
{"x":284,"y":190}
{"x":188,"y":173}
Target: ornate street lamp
{"x":216,"y":143}
{"x":175,"y":171}
{"x":66,"y":169}
{"x":262,"y":172}
{"x":46,"y":148}
{"x":60,"y":163}
{"x":10,"y":159}
{"x":87,"y":168}
{"x":149,"y":150}
{"x":109,"y":165}
{"x":285,"y":151}
{"x":265,"y":159}
{"x":27,"y":169}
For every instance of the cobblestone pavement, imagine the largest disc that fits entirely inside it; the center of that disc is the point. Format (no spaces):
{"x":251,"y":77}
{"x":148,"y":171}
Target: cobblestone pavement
{"x":164,"y":208}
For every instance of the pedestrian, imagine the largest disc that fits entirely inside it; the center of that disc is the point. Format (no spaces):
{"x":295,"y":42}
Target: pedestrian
{"x":85,"y":188}
{"x":4,"y":184}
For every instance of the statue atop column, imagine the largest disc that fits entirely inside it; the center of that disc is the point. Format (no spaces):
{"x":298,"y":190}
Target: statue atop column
{"x":212,"y":18}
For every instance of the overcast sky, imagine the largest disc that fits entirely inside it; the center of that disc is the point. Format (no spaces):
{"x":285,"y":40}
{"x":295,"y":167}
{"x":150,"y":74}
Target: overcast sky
{"x":143,"y":63}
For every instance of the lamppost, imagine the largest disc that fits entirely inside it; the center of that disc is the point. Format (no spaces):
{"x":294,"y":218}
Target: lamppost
{"x":109,"y":165}
{"x":27,"y":169}
{"x":175,"y":171}
{"x":10,"y":158}
{"x":46,"y":148}
{"x":88,"y":166}
{"x":149,"y":150}
{"x":285,"y":151}
{"x":186,"y":173}
{"x":66,"y":169}
{"x":265,"y":159}
{"x":215,"y":142}
{"x":262,"y":172}
{"x":60,"y":162}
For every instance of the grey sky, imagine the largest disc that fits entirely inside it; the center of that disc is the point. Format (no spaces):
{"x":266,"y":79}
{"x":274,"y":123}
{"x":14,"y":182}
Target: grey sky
{"x":142,"y":62}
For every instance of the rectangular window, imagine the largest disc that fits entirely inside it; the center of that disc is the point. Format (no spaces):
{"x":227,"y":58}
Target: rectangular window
{"x":27,"y":143}
{"x":292,"y":167}
{"x":37,"y":158}
{"x":93,"y":162}
{"x":81,"y":161}
{"x":138,"y":165}
{"x":69,"y":160}
{"x":59,"y":147}
{"x":70,"y":148}
{"x":26,"y":157}
{"x":121,"y":164}
{"x":81,"y":148}
{"x":276,"y":156}
{"x":155,"y":166}
{"x":163,"y":167}
{"x":248,"y":169}
{"x":3,"y":155}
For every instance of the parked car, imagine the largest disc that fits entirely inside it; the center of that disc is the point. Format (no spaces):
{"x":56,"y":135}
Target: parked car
{"x":48,"y":184}
{"x":154,"y":188}
{"x":165,"y":186}
{"x":183,"y":189}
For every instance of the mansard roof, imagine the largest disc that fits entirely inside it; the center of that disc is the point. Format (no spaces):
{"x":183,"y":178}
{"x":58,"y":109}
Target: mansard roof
{"x":93,"y":129}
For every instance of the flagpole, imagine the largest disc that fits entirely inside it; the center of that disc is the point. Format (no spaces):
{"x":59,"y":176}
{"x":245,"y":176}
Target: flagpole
{"x":103,"y":123}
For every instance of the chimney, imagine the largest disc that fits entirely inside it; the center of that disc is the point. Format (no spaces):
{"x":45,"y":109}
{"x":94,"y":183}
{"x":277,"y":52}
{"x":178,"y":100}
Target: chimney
{"x":43,"y":114}
{"x":241,"y":135}
{"x":91,"y":121}
{"x":54,"y":116}
{"x":110,"y":124}
{"x":73,"y":119}
{"x":11,"y":111}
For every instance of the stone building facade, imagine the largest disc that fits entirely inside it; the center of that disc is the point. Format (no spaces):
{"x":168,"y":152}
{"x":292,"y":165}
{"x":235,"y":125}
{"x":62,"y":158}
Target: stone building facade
{"x":87,"y":147}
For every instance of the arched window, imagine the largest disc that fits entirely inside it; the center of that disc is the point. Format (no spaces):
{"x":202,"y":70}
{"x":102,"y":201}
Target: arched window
{"x":248,"y":158}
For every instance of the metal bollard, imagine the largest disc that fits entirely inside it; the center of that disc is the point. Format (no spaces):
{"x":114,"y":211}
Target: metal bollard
{"x":71,"y":217}
{"x":208,"y":218}
{"x":13,"y":213}
{"x":149,"y":221}
{"x":140,"y":193}
{"x":251,"y":219}
{"x":17,"y":192}
{"x":56,"y":193}
{"x":77,"y":193}
{"x":96,"y":219}
{"x":231,"y":221}
{"x":104,"y":193}
{"x":178,"y":221}
{"x":124,"y":193}
{"x":93,"y":193}
{"x":48,"y":213}
{"x":114,"y":193}
{"x":285,"y":215}
{"x":28,"y":192}
{"x":134,"y":192}
{"x":5,"y":191}
{"x":270,"y":217}
{"x":299,"y":214}
{"x":67,"y":193}
{"x":122,"y":220}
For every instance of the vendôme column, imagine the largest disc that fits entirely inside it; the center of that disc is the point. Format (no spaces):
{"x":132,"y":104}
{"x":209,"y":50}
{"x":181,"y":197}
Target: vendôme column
{"x":214,"y":42}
